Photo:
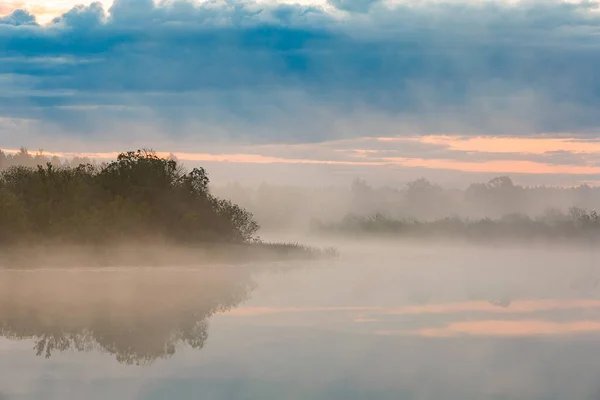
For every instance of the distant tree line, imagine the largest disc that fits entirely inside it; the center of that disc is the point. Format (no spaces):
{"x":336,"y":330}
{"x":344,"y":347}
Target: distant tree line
{"x":281,"y":207}
{"x":576,"y":225}
{"x":500,"y":196}
{"x":291,"y":207}
{"x":138,"y":196}
{"x":24,"y":158}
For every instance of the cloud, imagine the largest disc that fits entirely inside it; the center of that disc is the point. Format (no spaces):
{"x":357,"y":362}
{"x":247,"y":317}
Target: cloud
{"x":492,"y":155}
{"x":263,"y":72}
{"x":359,"y":6}
{"x":18,"y":18}
{"x":83,"y":18}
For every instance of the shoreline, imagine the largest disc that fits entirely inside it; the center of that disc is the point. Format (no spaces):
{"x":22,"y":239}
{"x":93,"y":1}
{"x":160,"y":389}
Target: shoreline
{"x":135,"y":255}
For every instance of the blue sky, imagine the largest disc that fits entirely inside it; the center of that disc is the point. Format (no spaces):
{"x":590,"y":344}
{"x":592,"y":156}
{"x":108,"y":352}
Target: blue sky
{"x":186,"y":73}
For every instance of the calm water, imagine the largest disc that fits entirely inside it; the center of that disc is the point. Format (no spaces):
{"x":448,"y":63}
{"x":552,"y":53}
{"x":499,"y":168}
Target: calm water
{"x":381,"y":322}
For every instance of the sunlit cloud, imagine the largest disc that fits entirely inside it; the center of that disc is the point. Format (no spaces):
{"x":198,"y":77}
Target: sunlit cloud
{"x":261,"y":159}
{"x":490,"y":144}
{"x":422,"y":79}
{"x":327,"y":154}
{"x":46,"y":10}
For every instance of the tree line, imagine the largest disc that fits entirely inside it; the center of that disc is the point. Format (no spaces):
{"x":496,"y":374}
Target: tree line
{"x":24,"y":158}
{"x":575,"y":225}
{"x":139,"y":196}
{"x":281,"y":207}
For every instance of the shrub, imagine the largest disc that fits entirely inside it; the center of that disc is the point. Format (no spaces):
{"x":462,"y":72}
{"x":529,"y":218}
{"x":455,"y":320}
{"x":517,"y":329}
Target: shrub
{"x":137,"y":196}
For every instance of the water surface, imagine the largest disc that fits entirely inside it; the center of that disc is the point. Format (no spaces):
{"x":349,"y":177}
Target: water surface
{"x":385,"y":322}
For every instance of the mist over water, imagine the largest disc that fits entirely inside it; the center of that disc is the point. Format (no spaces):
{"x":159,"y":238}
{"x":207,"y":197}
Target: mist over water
{"x":383,"y":320}
{"x":136,"y":315}
{"x":422,"y":292}
{"x":298,"y":208}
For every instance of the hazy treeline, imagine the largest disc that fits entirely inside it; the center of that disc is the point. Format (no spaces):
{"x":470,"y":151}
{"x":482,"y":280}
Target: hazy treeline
{"x":576,"y":225}
{"x":139,"y":196}
{"x":23,"y":158}
{"x":280,"y":207}
{"x":299,"y":207}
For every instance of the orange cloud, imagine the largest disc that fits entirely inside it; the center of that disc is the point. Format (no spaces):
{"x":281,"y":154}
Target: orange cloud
{"x":231,"y":157}
{"x":42,"y":11}
{"x":488,"y":144}
{"x":92,"y":155}
{"x":261,"y":159}
{"x":46,"y":10}
{"x":494,"y":166}
{"x":8,"y":6}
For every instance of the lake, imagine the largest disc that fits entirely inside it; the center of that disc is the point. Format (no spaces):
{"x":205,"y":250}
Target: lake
{"x":382,"y":321}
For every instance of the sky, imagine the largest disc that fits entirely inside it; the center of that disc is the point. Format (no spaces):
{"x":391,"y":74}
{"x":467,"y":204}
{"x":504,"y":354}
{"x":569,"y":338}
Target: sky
{"x":453,"y":90}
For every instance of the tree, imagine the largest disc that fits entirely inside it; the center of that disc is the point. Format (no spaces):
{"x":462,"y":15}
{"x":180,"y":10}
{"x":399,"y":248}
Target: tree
{"x":424,"y":199}
{"x":139,"y":195}
{"x":500,"y":183}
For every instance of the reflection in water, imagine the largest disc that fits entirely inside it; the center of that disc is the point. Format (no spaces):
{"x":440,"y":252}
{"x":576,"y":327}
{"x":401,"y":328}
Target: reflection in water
{"x":501,"y":302}
{"x":506,"y":328}
{"x":344,"y":330}
{"x":137,"y":315}
{"x":513,"y":328}
{"x":516,"y":307}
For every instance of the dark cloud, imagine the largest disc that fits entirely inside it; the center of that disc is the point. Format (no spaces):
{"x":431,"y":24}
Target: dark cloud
{"x":83,"y":18}
{"x":359,"y":6}
{"x":291,"y":72}
{"x":18,"y":18}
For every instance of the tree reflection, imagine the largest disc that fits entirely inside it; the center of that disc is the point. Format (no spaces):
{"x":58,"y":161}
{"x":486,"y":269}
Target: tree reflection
{"x":137,"y":315}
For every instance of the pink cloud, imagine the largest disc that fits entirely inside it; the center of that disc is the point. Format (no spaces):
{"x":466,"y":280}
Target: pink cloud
{"x":451,"y":153}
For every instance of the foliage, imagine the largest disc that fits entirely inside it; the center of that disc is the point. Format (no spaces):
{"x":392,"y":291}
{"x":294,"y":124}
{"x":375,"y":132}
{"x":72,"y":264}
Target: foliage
{"x":23,"y":158}
{"x":137,"y":196}
{"x":577,"y":224}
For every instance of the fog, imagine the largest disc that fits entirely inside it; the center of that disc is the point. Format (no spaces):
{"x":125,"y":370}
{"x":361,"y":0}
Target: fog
{"x":349,"y":199}
{"x":298,"y":203}
{"x":119,"y":311}
{"x":298,"y":208}
{"x":382,"y":320}
{"x":391,"y":313}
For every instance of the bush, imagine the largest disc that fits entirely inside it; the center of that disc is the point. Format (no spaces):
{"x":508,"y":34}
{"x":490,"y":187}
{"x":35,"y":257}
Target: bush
{"x":138,"y":196}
